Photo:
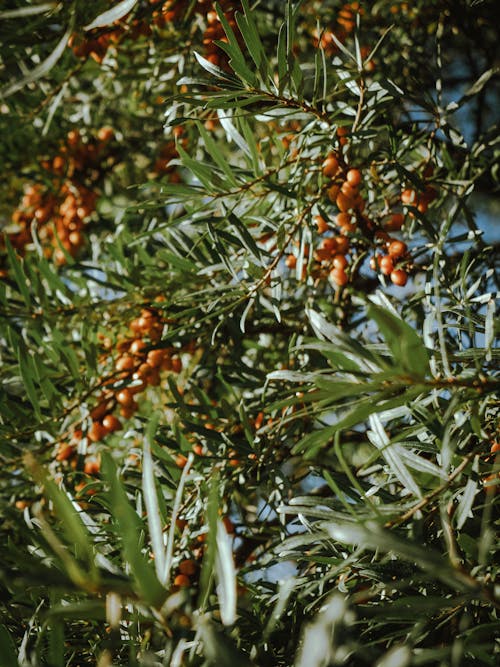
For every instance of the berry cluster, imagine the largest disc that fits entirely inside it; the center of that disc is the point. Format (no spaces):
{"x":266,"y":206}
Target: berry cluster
{"x":62,"y":206}
{"x":352,"y":231}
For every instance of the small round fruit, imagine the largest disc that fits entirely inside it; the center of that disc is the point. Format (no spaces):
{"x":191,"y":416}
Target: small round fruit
{"x":291,"y":261}
{"x":339,"y":277}
{"x":399,"y":277}
{"x":339,"y":261}
{"x":395,"y":222}
{"x":125,"y":363}
{"x":386,"y":264}
{"x":353,"y":177}
{"x":397,"y":248}
{"x":111,"y":423}
{"x":125,"y":397}
{"x":409,"y":196}
{"x":97,"y":432}
{"x":330,"y":167}
{"x":187,"y":567}
{"x":333,"y":192}
{"x":344,"y":203}
{"x":182,"y":580}
{"x":321,"y":224}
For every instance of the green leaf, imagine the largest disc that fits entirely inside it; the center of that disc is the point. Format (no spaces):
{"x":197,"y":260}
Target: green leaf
{"x":131,"y":529}
{"x":150,"y":493}
{"x":405,"y":344}
{"x":391,"y":453}
{"x":214,"y":152}
{"x":111,"y":15}
{"x":226,"y":576}
{"x":7,"y":648}
{"x":73,"y":528}
{"x":40,"y":70}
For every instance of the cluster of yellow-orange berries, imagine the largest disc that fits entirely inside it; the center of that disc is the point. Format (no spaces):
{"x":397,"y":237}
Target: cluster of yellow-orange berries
{"x":352,"y":229}
{"x":135,"y":368}
{"x":60,"y":210}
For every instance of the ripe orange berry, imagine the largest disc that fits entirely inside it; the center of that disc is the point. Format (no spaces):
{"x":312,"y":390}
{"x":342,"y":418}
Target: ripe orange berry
{"x":321,"y":224}
{"x":111,"y":423}
{"x":180,"y":461}
{"x":397,"y":248}
{"x":64,"y":452}
{"x":395,"y":222}
{"x":342,"y":244}
{"x":333,"y":192}
{"x":339,"y":261}
{"x":125,"y":363}
{"x":353,"y":177}
{"x":386,"y":265}
{"x":291,"y":261}
{"x":155,"y":357}
{"x":92,"y":467}
{"x":187,"y":567}
{"x":349,"y":190}
{"x":125,"y":397}
{"x":330,"y":166}
{"x":182,"y":581}
{"x":409,"y":196}
{"x":329,"y":244}
{"x":137,"y":346}
{"x":344,"y":203}
{"x":399,"y":277}
{"x":97,"y":432}
{"x":176,"y":364}
{"x":339,"y":277}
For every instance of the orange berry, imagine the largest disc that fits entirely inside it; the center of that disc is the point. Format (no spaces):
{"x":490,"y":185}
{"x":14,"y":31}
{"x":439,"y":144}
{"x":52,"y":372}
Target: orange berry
{"x":291,"y":261}
{"x":21,"y":504}
{"x":321,"y":224}
{"x":125,"y":397}
{"x":155,"y":358}
{"x":125,"y":363}
{"x":397,"y":248}
{"x":409,"y":196}
{"x":399,"y":277}
{"x":182,"y":581}
{"x":395,"y":222}
{"x":329,"y":244}
{"x":64,"y":452}
{"x":339,"y":261}
{"x":176,"y":364}
{"x":342,"y":244}
{"x":180,"y":461}
{"x":339,"y":277}
{"x":495,"y":447}
{"x":353,"y":177}
{"x":333,"y":192}
{"x":92,"y":467}
{"x":330,"y":166}
{"x":111,"y":423}
{"x":97,"y":432}
{"x":386,"y":264}
{"x":344,"y":203}
{"x":137,"y":346}
{"x":187,"y":567}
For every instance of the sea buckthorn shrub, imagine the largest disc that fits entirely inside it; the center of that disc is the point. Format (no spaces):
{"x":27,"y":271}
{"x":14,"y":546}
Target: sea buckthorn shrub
{"x":248,"y":373}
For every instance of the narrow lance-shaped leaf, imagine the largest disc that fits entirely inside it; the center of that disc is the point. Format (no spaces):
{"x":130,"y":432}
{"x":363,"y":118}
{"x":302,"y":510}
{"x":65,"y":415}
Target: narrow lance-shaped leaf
{"x":111,"y":15}
{"x":130,"y":528}
{"x":405,"y":344}
{"x":40,"y":70}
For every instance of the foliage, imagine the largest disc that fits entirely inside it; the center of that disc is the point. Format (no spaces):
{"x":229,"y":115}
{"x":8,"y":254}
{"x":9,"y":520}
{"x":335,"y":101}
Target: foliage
{"x":249,"y":408}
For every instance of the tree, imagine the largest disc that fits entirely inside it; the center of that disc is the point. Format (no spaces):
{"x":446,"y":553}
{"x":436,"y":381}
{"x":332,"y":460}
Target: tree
{"x":248,"y":399}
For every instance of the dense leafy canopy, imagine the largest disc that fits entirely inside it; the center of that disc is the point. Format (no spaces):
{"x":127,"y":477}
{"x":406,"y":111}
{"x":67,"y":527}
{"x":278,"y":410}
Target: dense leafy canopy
{"x":248,"y":388}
